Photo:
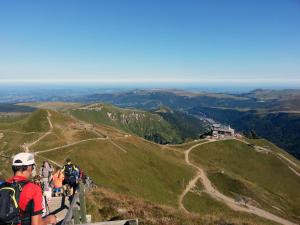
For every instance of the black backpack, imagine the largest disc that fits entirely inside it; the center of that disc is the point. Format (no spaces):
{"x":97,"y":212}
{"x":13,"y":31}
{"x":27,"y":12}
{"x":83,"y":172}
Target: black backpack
{"x":9,"y":199}
{"x":69,"y":170}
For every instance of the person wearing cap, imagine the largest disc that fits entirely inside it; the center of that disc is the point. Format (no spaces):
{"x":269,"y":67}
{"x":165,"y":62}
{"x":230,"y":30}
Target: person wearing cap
{"x":31,"y":197}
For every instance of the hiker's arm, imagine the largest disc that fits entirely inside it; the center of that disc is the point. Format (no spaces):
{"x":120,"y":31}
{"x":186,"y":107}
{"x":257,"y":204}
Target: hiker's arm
{"x":38,"y":220}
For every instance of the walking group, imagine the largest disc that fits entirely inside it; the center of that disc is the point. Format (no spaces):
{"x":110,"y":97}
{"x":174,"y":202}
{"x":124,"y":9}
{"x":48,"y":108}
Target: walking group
{"x":58,"y":181}
{"x":24,"y":198}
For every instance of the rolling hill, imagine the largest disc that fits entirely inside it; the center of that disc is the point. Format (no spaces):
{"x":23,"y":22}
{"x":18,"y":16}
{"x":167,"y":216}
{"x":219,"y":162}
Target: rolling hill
{"x":272,"y":114}
{"x":144,"y":124}
{"x":187,"y":126}
{"x":154,"y":182}
{"x":148,"y":125}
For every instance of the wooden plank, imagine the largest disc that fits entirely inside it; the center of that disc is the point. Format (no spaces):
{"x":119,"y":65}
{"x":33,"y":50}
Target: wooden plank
{"x":59,"y":207}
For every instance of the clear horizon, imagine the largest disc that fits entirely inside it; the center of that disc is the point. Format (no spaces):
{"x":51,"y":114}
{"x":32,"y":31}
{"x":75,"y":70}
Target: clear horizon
{"x":11,"y":87}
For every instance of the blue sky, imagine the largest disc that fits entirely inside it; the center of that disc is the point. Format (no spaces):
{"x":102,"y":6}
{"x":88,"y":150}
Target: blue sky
{"x":150,"y":40}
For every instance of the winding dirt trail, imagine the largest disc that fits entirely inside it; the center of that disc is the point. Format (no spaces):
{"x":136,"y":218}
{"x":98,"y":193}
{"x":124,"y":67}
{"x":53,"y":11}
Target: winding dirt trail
{"x":287,"y":159}
{"x":214,"y":193}
{"x":68,"y":145}
{"x":27,"y":146}
{"x":19,"y":132}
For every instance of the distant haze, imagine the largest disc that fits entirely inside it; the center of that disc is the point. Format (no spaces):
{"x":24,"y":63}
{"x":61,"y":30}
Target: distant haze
{"x":69,"y":88}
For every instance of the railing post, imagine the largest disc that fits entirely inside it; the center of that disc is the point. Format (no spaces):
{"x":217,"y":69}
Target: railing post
{"x":82,"y":203}
{"x":76,"y":215}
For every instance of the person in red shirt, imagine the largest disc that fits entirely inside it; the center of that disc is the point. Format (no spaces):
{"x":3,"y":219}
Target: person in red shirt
{"x":31,"y":197}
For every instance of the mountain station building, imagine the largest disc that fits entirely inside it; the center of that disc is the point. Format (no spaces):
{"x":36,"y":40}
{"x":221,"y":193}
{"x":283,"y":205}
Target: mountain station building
{"x":222,"y":130}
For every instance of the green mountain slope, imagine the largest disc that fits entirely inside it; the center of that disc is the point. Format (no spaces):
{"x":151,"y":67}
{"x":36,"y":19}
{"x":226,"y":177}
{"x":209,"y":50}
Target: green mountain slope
{"x":15,"y":131}
{"x":279,"y":122}
{"x":237,"y":170}
{"x":143,"y":173}
{"x":144,"y":124}
{"x":188,"y":126}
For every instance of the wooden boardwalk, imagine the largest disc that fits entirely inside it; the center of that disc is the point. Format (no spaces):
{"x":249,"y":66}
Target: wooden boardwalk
{"x":59,"y":206}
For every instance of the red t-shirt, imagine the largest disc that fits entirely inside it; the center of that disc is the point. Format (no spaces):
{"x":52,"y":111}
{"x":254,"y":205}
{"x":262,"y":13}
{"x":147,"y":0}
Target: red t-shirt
{"x":31,"y":197}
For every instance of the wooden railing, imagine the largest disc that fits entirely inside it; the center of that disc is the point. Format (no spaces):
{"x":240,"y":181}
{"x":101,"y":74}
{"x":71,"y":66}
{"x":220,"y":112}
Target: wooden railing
{"x":77,"y":212}
{"x":68,"y":220}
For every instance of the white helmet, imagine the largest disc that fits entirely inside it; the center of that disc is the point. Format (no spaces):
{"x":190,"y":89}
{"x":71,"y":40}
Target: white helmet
{"x":23,"y":159}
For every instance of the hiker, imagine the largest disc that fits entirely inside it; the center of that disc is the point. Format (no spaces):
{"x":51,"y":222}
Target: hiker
{"x":58,"y":179}
{"x":71,"y":172}
{"x":22,"y":198}
{"x":38,"y":180}
{"x":46,"y":174}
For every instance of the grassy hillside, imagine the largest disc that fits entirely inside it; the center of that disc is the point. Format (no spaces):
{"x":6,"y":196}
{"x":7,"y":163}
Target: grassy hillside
{"x":279,"y":123}
{"x":13,"y":122}
{"x":238,"y":170}
{"x":105,"y":205}
{"x":15,"y":132}
{"x":66,"y":130}
{"x":295,"y":163}
{"x":144,"y":124}
{"x":10,"y":145}
{"x":136,"y":167}
{"x":37,"y":122}
{"x":188,"y":126}
{"x":144,"y":174}
{"x":199,"y":202}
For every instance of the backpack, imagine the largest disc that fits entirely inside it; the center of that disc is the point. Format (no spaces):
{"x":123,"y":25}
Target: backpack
{"x":70,"y":171}
{"x":9,"y":198}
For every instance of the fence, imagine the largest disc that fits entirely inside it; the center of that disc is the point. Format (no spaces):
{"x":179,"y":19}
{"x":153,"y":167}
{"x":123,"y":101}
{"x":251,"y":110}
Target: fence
{"x":77,"y":212}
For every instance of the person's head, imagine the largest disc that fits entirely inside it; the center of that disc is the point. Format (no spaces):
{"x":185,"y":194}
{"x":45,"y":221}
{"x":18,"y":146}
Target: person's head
{"x":23,"y":164}
{"x":68,"y":161}
{"x":45,"y":163}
